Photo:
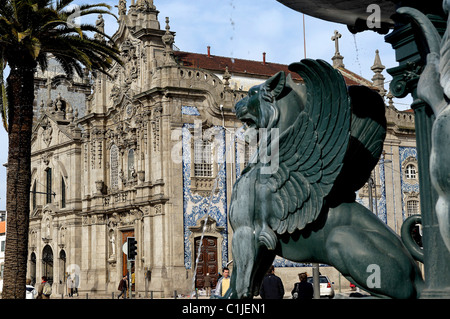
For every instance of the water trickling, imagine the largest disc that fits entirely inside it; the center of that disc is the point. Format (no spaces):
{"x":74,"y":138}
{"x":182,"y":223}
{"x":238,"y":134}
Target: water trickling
{"x":357,"y":54}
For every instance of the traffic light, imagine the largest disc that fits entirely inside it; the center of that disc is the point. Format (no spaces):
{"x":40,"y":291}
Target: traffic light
{"x":131,"y":243}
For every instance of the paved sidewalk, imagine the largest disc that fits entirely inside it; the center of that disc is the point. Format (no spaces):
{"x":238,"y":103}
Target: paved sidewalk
{"x":344,"y":294}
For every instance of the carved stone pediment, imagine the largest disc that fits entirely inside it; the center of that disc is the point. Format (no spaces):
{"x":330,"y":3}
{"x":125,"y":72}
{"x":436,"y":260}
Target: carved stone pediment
{"x":211,"y":226}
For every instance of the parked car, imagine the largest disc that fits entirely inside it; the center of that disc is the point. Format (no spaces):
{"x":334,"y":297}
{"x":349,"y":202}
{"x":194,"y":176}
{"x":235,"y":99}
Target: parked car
{"x":326,"y":286}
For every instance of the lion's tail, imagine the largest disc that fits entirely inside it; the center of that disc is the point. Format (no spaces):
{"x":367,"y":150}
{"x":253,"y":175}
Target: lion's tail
{"x":368,"y":131}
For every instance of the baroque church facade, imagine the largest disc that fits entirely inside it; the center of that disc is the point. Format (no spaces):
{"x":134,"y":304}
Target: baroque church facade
{"x":152,"y":152}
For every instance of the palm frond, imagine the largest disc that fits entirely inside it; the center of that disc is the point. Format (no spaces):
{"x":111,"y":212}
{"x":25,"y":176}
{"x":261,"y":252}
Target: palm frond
{"x":61,"y":4}
{"x":36,"y":28}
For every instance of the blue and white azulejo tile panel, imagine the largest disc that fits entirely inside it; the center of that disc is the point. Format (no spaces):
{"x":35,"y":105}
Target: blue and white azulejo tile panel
{"x":189,"y":110}
{"x":407,"y":154}
{"x":196,"y":206}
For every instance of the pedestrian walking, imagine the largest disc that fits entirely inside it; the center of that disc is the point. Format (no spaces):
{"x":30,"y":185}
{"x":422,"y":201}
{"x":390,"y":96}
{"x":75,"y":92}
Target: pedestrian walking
{"x":76,"y":282}
{"x":123,"y":285}
{"x":31,"y":292}
{"x":70,"y":285}
{"x":45,"y":289}
{"x":272,"y":286}
{"x":223,"y":283}
{"x":207,"y":279}
{"x":303,"y":289}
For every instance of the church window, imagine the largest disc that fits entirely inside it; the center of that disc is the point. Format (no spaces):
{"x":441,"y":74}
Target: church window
{"x":49,"y":185}
{"x":412,"y":207}
{"x":114,"y":166}
{"x":131,"y":168}
{"x":410,"y":172}
{"x":203,"y":163}
{"x":34,"y":196}
{"x":63,"y":193}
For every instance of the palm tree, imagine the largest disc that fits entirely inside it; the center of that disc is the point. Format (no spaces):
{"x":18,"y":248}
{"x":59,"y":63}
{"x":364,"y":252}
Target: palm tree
{"x":32,"y":31}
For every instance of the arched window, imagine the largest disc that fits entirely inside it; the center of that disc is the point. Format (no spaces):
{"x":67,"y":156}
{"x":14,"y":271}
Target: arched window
{"x":131,"y":168}
{"x":410,"y":172}
{"x":34,"y":196}
{"x":49,"y":185}
{"x":114,"y":166}
{"x":63,"y":193}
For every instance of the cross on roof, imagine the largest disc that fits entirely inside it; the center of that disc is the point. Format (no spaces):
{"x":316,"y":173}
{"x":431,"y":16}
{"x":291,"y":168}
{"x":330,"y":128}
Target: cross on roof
{"x":336,"y":38}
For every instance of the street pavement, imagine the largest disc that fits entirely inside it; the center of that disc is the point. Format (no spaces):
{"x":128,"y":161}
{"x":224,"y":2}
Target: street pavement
{"x":344,"y":294}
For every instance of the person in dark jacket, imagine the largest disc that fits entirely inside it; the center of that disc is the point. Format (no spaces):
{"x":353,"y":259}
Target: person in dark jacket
{"x":272,"y":286}
{"x":303,"y":289}
{"x":123,"y":285}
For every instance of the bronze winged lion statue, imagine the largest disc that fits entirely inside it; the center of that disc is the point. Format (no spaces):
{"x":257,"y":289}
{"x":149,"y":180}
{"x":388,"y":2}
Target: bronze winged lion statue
{"x":329,"y":139}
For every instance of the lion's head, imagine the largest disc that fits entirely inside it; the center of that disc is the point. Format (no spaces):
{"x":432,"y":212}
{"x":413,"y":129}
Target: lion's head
{"x":266,"y":105}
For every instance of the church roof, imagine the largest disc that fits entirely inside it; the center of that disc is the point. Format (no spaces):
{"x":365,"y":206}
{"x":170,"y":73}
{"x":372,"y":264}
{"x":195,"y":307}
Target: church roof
{"x":244,"y":67}
{"x":237,"y":66}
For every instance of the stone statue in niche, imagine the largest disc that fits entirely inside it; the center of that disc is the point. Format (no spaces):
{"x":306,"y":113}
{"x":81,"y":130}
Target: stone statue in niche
{"x":47,"y":228}
{"x":112,"y":240}
{"x":47,"y":131}
{"x":324,"y":141}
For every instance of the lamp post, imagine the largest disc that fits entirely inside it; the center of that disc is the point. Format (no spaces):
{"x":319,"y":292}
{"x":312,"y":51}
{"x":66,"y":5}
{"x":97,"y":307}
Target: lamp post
{"x":411,"y":53}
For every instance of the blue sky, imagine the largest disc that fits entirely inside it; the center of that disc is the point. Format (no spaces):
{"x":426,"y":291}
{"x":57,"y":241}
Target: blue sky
{"x":246,"y":29}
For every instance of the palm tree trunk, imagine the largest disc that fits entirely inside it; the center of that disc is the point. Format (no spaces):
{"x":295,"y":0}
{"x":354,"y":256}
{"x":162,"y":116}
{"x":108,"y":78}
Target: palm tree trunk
{"x":20,"y":97}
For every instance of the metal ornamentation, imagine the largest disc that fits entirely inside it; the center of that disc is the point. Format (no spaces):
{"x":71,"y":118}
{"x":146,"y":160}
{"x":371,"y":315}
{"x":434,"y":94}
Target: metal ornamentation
{"x":329,"y":138}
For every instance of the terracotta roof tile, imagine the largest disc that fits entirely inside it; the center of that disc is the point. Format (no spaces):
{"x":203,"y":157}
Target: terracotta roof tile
{"x":251,"y":68}
{"x":237,"y":66}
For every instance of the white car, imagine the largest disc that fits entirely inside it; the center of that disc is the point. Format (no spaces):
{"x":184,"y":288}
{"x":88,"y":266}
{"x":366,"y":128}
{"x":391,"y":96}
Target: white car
{"x":326,"y":286}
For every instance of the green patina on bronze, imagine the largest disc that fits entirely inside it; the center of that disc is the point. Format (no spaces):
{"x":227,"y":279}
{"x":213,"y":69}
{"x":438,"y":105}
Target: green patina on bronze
{"x":329,"y":139}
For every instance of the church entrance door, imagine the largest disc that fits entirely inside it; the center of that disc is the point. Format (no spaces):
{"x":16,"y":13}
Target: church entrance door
{"x":47,"y":261}
{"x":207,"y":262}
{"x":125,"y":235}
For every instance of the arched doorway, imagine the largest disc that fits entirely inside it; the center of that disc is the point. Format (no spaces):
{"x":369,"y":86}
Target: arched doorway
{"x":207,"y":261}
{"x":125,"y":235}
{"x":33,"y":268}
{"x":47,"y":263}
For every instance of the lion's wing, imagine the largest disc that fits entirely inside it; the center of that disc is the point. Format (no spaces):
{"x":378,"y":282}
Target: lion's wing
{"x":312,"y":150}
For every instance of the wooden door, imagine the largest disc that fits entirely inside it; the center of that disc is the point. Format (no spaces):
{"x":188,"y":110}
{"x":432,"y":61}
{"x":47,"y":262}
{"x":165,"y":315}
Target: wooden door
{"x":47,"y":260}
{"x":207,"y":262}
{"x":125,"y":235}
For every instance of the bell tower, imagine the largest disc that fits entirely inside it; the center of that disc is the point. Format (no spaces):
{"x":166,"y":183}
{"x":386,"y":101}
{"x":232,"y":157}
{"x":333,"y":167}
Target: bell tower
{"x":142,"y":17}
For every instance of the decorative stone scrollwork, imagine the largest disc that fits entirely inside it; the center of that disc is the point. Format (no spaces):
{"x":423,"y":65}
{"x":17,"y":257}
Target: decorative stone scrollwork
{"x":211,"y":226}
{"x":155,"y":122}
{"x":405,"y":77}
